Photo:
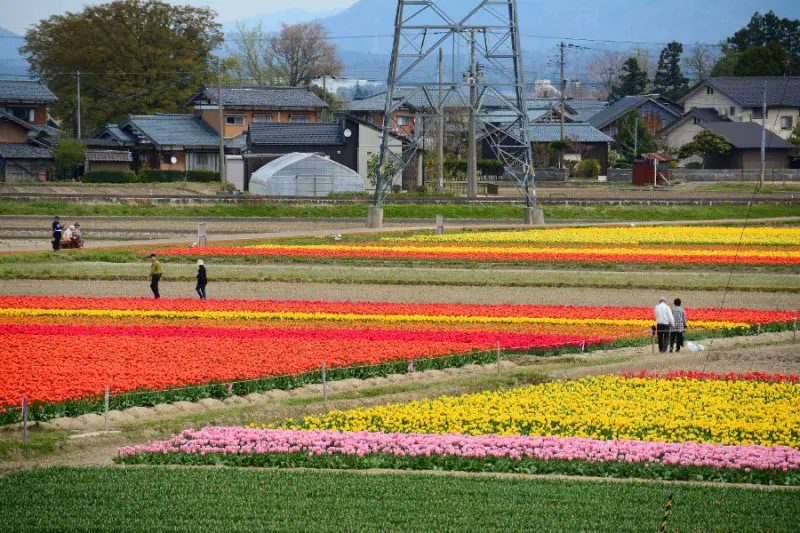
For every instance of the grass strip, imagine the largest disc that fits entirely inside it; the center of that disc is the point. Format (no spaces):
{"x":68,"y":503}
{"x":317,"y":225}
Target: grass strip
{"x":202,"y":499}
{"x":526,"y":465}
{"x":499,"y":211}
{"x":410,"y":276}
{"x":43,"y":411}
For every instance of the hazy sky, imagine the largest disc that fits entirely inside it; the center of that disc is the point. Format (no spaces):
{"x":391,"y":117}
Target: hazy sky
{"x":16,"y":15}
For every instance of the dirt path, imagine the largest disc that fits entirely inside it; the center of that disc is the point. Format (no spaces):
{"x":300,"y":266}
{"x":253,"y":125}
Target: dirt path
{"x":400,"y":293}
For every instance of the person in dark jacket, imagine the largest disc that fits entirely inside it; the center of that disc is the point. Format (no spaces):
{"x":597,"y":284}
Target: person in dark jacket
{"x":57,"y":229}
{"x":202,"y":279}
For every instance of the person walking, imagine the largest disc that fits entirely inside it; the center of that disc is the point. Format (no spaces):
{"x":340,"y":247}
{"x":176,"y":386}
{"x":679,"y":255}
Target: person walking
{"x":202,"y":279}
{"x":155,"y":275}
{"x":57,"y":229}
{"x":676,"y":333}
{"x":664,"y":323}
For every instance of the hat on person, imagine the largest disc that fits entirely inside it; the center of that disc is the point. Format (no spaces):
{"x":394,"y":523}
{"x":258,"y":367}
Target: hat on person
{"x":199,"y":262}
{"x":662,"y":299}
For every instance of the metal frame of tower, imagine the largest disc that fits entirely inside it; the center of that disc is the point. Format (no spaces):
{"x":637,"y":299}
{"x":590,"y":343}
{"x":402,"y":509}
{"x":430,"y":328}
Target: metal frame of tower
{"x":497,"y":49}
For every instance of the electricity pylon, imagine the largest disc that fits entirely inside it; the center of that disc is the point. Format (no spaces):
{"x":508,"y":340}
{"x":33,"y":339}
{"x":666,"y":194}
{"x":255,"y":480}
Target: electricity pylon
{"x":496,"y":98}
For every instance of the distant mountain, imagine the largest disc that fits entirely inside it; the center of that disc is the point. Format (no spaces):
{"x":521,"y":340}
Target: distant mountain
{"x":11,"y":63}
{"x":367,"y":25}
{"x":271,"y":22}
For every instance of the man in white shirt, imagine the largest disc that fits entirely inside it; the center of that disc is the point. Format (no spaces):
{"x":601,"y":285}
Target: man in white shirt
{"x":664,"y":323}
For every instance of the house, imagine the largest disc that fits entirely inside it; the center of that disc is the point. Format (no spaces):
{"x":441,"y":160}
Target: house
{"x":168,"y":142}
{"x":349,"y":141}
{"x":26,"y":100}
{"x":585,"y":142}
{"x":657,"y":112}
{"x":744,"y":137}
{"x":741,"y":100}
{"x":24,"y":150}
{"x":112,"y":160}
{"x":243,"y":106}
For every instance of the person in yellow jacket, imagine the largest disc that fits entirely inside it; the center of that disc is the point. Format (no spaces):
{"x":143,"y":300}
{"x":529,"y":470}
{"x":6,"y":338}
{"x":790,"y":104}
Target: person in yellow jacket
{"x":155,"y":275}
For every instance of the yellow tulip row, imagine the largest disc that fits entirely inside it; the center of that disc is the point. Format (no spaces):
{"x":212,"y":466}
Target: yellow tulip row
{"x":604,"y":408}
{"x":755,"y":236}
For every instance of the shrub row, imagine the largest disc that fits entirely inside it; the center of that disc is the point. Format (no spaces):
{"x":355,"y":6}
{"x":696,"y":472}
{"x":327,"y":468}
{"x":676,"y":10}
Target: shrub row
{"x":149,"y":176}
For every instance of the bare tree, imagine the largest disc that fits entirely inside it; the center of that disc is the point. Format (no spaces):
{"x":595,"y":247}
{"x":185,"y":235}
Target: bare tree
{"x":255,"y":62}
{"x":605,"y":69}
{"x":699,"y":61}
{"x":302,"y":52}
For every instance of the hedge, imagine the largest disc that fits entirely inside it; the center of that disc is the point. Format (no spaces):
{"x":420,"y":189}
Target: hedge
{"x":151,"y":175}
{"x":109,"y":176}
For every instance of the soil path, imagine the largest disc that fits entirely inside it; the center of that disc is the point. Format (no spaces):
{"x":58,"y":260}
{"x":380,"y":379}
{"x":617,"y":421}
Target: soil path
{"x":273,"y":290}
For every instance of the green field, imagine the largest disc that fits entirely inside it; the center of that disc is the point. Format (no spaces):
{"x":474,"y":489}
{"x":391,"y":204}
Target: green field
{"x":210,"y":499}
{"x":495,"y":211}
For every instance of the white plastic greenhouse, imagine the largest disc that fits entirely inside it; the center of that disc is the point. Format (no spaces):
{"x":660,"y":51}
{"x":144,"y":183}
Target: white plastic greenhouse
{"x":302,"y":174}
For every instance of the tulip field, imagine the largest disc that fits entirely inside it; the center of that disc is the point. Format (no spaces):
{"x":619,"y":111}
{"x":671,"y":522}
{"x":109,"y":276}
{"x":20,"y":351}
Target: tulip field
{"x":62,"y":352}
{"x":742,"y":428}
{"x":696,"y":245}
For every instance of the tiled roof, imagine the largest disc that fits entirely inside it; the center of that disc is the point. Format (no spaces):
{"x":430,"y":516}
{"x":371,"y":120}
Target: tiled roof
{"x":108,"y":156}
{"x":26,"y":91}
{"x":173,"y":130}
{"x":285,"y":133}
{"x":237,"y":143}
{"x":118,"y":133}
{"x":747,"y":135}
{"x":418,"y":100}
{"x":619,"y":108}
{"x":265,"y":97}
{"x":23,"y":151}
{"x":748,"y":92}
{"x":577,"y":132}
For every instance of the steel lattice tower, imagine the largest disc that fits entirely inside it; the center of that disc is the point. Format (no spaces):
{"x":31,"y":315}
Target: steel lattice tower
{"x":496,"y":95}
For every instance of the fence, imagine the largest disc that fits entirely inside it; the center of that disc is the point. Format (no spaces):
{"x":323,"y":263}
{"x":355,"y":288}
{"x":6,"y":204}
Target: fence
{"x":39,"y":412}
{"x":712,"y":175}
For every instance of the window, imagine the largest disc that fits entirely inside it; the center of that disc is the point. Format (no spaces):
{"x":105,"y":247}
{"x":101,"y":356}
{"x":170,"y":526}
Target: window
{"x":732,"y":111}
{"x":709,"y":89}
{"x":403,"y":120}
{"x":298,"y":119}
{"x":786,"y":123}
{"x":757,"y":113}
{"x":234,"y":120}
{"x":262,"y":118}
{"x":202,"y":161}
{"x":27,"y":114}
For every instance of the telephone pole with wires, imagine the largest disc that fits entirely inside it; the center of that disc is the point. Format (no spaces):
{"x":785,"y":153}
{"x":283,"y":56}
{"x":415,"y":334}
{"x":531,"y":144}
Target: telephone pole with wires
{"x":221,"y":124}
{"x":78,"y":108}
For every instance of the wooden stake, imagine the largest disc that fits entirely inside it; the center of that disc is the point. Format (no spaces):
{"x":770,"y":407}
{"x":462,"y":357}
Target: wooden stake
{"x":324,"y":384}
{"x":24,"y":419}
{"x":105,"y":411}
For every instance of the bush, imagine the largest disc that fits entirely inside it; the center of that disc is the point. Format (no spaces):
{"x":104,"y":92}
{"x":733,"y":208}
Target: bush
{"x":588,"y":168}
{"x":109,"y":176}
{"x":152,"y":175}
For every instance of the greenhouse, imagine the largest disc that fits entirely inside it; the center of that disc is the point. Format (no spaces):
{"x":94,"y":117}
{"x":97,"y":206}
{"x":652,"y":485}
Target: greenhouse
{"x":303,"y":174}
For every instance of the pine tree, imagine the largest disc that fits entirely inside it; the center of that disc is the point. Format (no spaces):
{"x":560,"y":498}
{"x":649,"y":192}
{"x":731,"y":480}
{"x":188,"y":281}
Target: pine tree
{"x":669,"y":80}
{"x":632,"y":81}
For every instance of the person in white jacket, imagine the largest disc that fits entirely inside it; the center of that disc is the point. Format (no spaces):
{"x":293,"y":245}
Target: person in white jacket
{"x":664,"y":323}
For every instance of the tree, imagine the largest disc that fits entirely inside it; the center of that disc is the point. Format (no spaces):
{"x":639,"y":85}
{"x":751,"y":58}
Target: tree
{"x":632,"y":81}
{"x":253,"y":56}
{"x":135,"y":56}
{"x":604,"y":70}
{"x":390,"y":168}
{"x":633,"y":138}
{"x":794,"y":138}
{"x":777,"y":44}
{"x":699,"y":61}
{"x":68,"y":155}
{"x":302,"y":52}
{"x":669,"y":79}
{"x":706,"y":142}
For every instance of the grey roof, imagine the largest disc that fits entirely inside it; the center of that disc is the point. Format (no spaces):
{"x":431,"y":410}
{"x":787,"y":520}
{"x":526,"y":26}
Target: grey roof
{"x":173,"y":130}
{"x":109,"y":156}
{"x":747,"y":135}
{"x":118,"y":133}
{"x":286,"y":133}
{"x":626,"y":104}
{"x":25,"y":91}
{"x":577,"y":132}
{"x":264,"y":97}
{"x":454,"y":99}
{"x":93,"y":142}
{"x":707,"y":115}
{"x":237,"y":143}
{"x":748,"y":92}
{"x":23,"y":151}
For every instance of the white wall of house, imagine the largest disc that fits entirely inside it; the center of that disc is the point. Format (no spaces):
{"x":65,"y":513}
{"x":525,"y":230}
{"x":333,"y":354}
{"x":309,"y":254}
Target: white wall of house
{"x":681,"y":135}
{"x":369,"y":142}
{"x":780,"y":120}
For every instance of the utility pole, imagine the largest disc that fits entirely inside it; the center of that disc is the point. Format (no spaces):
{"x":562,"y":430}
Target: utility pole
{"x":472,"y":162}
{"x":636,"y":137}
{"x":563,"y":90}
{"x":78,"y":110}
{"x":222,"y":177}
{"x":440,"y":147}
{"x":763,"y":136}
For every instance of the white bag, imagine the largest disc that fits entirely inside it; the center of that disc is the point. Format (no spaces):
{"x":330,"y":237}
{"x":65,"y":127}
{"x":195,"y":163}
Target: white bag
{"x":694,"y":347}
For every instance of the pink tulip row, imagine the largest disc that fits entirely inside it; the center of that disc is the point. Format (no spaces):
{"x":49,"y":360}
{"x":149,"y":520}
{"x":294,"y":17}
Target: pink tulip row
{"x":245,"y":441}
